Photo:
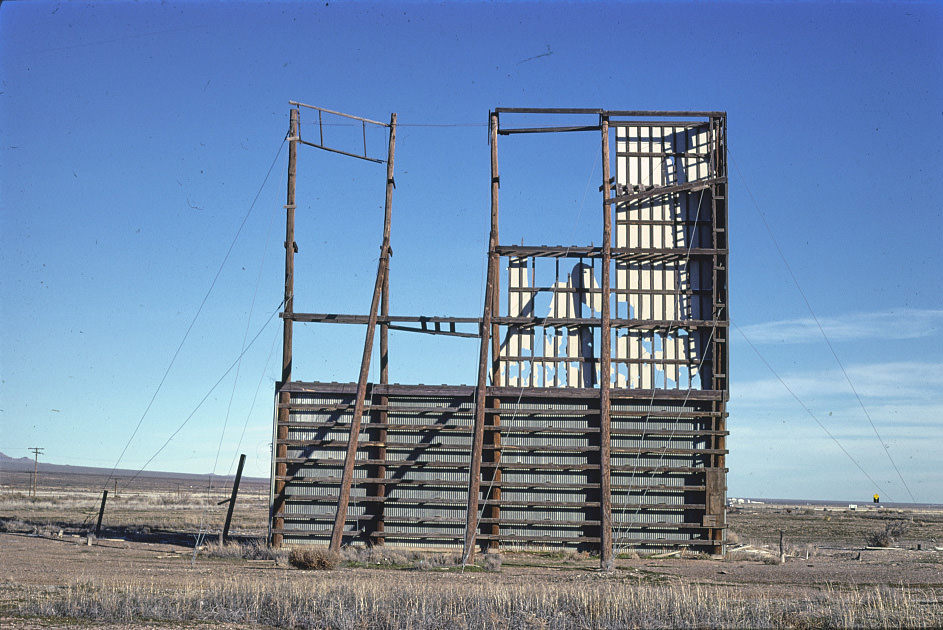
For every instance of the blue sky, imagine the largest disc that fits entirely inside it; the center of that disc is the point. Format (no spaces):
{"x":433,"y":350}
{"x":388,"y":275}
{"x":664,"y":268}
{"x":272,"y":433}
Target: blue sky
{"x":136,"y":137}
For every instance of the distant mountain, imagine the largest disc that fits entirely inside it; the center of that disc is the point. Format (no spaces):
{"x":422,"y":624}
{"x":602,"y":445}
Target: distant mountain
{"x":11,"y":463}
{"x":26,"y":464}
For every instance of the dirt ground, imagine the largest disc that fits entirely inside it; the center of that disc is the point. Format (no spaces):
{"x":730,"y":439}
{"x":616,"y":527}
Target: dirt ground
{"x":825,"y":547}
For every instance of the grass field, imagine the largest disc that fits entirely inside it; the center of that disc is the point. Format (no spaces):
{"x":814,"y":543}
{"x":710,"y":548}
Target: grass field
{"x":144,"y":571}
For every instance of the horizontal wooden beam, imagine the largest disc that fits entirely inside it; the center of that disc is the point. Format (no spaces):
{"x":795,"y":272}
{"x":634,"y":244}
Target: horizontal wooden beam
{"x":618,"y":253}
{"x":647,"y":397}
{"x":514,"y":130}
{"x":505,"y":466}
{"x":331,"y":111}
{"x":701,"y":184}
{"x":506,"y":485}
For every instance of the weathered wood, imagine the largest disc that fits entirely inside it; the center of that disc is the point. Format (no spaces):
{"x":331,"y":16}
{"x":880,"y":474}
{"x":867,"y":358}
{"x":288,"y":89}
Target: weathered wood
{"x":281,"y":451}
{"x":523,"y":485}
{"x":701,"y":184}
{"x":347,"y":153}
{"x":342,"y":114}
{"x":530,"y":538}
{"x":544,"y":110}
{"x":507,"y":466}
{"x":555,"y":414}
{"x":640,"y":396}
{"x":715,"y":490}
{"x":619,"y":113}
{"x":345,"y":318}
{"x":101,"y":513}
{"x":474,"y":477}
{"x":379,"y":490}
{"x":513,"y":130}
{"x":493,"y":418}
{"x":232,"y":499}
{"x":382,"y":268}
{"x":621,"y":253}
{"x":605,"y":367}
{"x":493,"y":449}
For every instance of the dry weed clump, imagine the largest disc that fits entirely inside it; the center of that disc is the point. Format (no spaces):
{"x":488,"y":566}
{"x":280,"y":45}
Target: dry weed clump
{"x":492,"y":561}
{"x":247,"y":550}
{"x":378,"y":555}
{"x":887,"y":535}
{"x":314,"y":558}
{"x":392,"y":557}
{"x":439,"y":561}
{"x":15,"y":525}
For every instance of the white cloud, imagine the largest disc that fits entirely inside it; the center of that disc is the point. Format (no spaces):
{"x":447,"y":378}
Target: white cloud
{"x":904,"y":323}
{"x":904,"y":400}
{"x":893,"y":381}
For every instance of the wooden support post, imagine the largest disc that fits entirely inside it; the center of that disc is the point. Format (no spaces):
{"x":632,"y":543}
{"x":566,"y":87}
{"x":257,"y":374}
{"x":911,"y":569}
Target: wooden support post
{"x":340,"y":517}
{"x":474,"y":476}
{"x":494,"y":434}
{"x":605,"y":340}
{"x":232,"y":500}
{"x":718,"y":350}
{"x":101,"y":513}
{"x":379,"y":490}
{"x":284,"y":398}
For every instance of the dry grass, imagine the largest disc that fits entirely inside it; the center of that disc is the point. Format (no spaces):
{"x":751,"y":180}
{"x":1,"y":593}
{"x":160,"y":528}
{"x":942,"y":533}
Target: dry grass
{"x":249,"y":584}
{"x":76,"y":510}
{"x":393,"y":601}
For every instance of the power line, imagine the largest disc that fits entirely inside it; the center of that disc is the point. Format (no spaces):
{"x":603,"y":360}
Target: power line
{"x":245,"y":336}
{"x":208,"y":393}
{"x":828,"y":342}
{"x":196,"y":316}
{"x":806,"y":408}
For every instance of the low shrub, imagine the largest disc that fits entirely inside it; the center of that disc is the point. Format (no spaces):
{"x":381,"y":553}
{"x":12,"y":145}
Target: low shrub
{"x":313,"y":559}
{"x":440,"y":561}
{"x":248,"y":550}
{"x":377,"y":555}
{"x":888,"y":535}
{"x":492,"y":561}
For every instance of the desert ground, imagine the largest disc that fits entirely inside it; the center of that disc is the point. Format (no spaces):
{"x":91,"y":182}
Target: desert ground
{"x":157,"y":564}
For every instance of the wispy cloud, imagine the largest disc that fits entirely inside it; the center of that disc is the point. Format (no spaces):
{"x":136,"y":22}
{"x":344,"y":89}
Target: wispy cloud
{"x":904,"y":323}
{"x":900,"y":381}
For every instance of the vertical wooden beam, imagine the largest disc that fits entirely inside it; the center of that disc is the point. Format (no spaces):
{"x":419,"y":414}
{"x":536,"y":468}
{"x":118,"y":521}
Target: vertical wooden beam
{"x":343,"y":500}
{"x":474,"y":476}
{"x":101,"y":513}
{"x":284,"y":398}
{"x":232,"y":500}
{"x":379,"y":490}
{"x":717,"y":498}
{"x":605,"y":342}
{"x":494,"y":433}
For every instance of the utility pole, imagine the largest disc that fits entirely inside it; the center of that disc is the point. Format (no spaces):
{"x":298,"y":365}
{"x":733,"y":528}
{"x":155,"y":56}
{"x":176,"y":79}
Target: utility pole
{"x":36,"y":453}
{"x":284,"y":397}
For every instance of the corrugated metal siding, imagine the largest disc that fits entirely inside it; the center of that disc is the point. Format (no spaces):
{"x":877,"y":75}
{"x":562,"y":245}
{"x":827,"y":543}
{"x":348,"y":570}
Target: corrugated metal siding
{"x":549,"y":492}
